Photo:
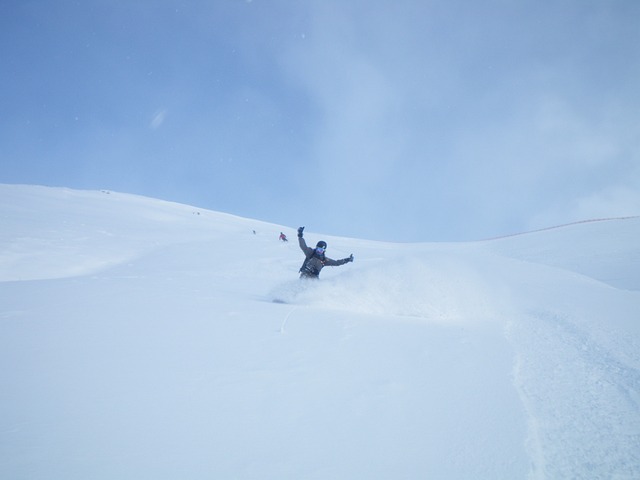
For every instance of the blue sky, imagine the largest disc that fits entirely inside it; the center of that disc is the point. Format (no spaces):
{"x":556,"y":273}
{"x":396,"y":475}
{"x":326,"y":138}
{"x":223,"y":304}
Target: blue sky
{"x":440,"y":120}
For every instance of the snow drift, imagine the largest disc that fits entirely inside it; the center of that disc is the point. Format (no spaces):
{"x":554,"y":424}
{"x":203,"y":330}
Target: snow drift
{"x":140,"y":340}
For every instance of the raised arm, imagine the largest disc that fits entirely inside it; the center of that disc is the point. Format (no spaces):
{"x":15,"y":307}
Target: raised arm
{"x":303,"y":245}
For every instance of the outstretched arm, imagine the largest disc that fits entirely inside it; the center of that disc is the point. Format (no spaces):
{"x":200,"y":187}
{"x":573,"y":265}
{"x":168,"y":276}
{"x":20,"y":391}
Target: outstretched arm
{"x":336,"y":263}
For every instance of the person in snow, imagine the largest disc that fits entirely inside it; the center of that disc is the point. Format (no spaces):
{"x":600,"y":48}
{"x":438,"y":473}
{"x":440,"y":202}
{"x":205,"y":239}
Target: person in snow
{"x":315,"y":258}
{"x":283,"y":237}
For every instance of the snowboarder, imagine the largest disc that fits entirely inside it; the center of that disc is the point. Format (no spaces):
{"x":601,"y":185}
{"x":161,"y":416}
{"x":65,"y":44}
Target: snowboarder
{"x":283,"y":237}
{"x":315,"y":259}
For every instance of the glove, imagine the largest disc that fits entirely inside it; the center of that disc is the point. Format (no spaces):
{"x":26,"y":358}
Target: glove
{"x":300,"y":230}
{"x":349,"y":258}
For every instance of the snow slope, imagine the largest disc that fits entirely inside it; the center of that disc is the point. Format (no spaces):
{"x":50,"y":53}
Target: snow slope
{"x":139,"y":340}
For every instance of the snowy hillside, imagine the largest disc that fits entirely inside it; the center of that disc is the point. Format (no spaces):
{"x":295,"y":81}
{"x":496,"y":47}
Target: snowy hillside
{"x":139,"y":340}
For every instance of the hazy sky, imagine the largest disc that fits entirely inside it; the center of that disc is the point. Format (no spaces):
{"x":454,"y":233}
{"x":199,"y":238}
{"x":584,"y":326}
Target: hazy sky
{"x":401,"y":120}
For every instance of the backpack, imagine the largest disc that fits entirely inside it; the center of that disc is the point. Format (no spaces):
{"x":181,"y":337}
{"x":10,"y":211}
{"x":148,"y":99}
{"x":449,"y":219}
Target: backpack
{"x":310,"y":269}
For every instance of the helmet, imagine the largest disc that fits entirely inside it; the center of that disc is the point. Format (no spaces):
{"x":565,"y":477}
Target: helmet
{"x":321,"y":244}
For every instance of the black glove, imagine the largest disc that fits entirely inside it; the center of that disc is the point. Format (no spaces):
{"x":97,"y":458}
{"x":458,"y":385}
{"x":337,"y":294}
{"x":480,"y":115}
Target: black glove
{"x":349,"y":258}
{"x":300,"y":230}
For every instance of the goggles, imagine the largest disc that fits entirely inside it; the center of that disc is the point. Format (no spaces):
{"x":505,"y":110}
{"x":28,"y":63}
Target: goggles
{"x":320,"y":249}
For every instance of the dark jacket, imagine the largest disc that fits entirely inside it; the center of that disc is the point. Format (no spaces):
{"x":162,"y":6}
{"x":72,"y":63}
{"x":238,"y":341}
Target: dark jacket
{"x":313,"y":262}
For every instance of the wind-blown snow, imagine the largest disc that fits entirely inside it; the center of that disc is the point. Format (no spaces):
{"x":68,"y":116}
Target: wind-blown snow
{"x":139,"y":340}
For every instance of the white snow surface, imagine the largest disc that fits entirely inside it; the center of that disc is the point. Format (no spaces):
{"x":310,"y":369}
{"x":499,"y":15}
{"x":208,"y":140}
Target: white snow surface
{"x":139,"y":340}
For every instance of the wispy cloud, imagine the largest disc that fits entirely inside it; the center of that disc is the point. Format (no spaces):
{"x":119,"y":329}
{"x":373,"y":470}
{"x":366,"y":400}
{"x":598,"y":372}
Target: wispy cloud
{"x":404,"y":120}
{"x":158,"y":119}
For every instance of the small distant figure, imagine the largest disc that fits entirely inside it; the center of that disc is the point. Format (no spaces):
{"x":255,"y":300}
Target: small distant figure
{"x":283,"y":237}
{"x":254,"y":232}
{"x":314,"y":258}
